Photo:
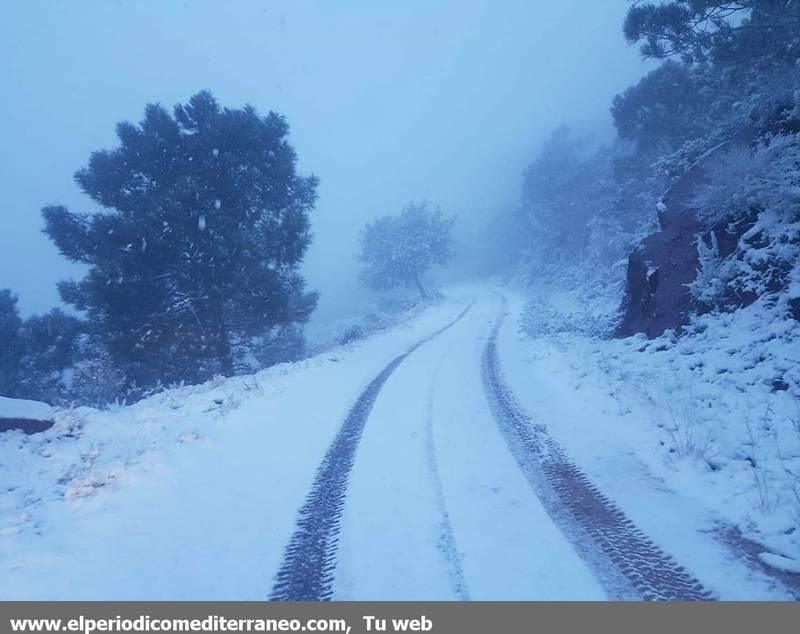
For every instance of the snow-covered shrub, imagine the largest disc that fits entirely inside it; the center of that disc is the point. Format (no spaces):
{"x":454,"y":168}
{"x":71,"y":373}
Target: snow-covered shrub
{"x":390,"y":308}
{"x":281,"y":345}
{"x":691,"y":434}
{"x":713,"y":273}
{"x":794,"y":473}
{"x":399,"y":300}
{"x":352,"y":333}
{"x":753,"y":195}
{"x":741,"y":178}
{"x":591,"y":310}
{"x":96,"y":382}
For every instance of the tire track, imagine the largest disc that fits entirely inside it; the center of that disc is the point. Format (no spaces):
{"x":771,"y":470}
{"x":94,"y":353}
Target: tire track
{"x":624,"y":559}
{"x":749,"y":551}
{"x":309,"y":562}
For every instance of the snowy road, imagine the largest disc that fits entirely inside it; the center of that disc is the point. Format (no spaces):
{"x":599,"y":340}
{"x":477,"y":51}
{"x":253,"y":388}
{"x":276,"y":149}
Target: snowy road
{"x":403,"y":467}
{"x":307,"y":571}
{"x":438,"y":507}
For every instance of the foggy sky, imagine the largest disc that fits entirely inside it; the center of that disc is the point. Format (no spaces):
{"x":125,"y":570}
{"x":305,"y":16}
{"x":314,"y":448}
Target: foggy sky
{"x":388,"y":101}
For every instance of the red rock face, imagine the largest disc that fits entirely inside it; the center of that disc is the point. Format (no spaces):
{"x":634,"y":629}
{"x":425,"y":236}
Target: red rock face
{"x":657,"y":297}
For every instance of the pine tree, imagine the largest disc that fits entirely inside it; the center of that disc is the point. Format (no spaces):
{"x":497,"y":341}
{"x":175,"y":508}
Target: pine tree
{"x":398,"y":249}
{"x":9,"y":343}
{"x":204,"y":224}
{"x":49,"y":347}
{"x":716,"y":30}
{"x":667,"y":107}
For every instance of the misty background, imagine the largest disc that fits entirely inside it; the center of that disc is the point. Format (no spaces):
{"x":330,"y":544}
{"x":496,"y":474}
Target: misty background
{"x":387,"y":101}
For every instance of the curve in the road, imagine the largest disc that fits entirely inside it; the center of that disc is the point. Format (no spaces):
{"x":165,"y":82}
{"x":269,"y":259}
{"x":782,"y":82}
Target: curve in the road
{"x":307,"y":571}
{"x":577,"y":506}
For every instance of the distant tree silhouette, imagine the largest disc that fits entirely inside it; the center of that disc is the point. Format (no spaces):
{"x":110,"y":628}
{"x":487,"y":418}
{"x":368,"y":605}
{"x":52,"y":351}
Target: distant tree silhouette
{"x":397,"y":250}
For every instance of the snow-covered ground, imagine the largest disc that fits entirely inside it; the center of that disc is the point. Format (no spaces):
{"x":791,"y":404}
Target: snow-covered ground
{"x":189,"y":494}
{"x":194,"y":493}
{"x":689,"y":434}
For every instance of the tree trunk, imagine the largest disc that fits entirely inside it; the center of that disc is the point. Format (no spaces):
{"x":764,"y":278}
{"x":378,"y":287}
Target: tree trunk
{"x":224,"y":353}
{"x":223,"y":342}
{"x":419,"y":285}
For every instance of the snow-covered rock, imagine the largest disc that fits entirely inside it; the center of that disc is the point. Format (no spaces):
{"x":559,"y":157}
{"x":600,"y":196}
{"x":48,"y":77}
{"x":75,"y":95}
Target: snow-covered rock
{"x":28,"y":416}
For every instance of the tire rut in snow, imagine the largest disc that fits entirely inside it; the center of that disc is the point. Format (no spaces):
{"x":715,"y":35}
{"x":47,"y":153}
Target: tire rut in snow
{"x":307,"y":571}
{"x":447,"y":540}
{"x":620,"y":554}
{"x":750,"y":552}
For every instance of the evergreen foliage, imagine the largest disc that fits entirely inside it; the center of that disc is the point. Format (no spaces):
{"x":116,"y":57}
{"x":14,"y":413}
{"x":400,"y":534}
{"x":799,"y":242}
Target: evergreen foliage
{"x":9,"y":343}
{"x":203,"y":226}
